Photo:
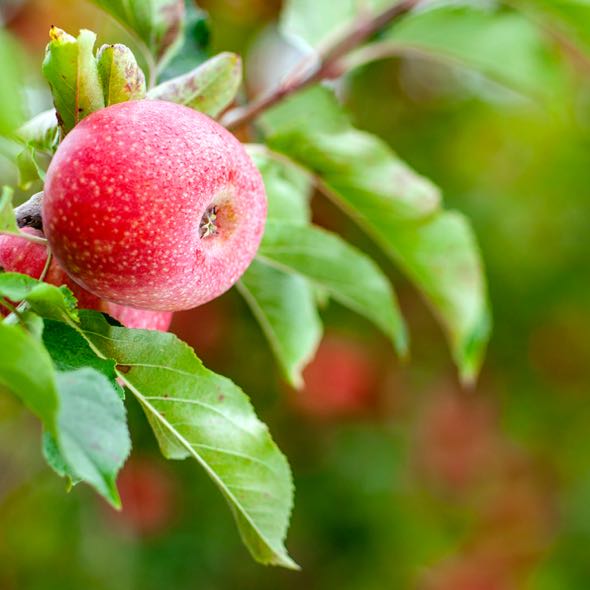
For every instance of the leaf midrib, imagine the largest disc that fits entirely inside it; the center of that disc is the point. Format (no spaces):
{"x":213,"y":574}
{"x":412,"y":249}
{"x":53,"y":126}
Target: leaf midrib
{"x":283,"y":560}
{"x":222,"y":485}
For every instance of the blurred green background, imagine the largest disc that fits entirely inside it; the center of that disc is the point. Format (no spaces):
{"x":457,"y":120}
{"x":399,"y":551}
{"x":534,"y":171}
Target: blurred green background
{"x":404,"y":480}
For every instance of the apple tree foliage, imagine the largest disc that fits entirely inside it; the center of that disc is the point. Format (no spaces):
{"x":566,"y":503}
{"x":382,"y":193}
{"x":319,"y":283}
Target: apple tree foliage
{"x":74,"y":368}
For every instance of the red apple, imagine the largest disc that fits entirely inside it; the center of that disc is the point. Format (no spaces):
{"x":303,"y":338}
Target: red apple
{"x":153,"y":205}
{"x":19,"y":255}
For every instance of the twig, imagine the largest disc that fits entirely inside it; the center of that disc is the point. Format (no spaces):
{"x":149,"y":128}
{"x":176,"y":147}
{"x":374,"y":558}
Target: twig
{"x":9,"y":306}
{"x":15,"y":316}
{"x":325,"y":68}
{"x":47,"y":265}
{"x":28,"y":237}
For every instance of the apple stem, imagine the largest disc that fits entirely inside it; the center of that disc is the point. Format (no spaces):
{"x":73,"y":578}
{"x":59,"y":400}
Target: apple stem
{"x":328,"y":66}
{"x":29,"y":213}
{"x":47,"y":264}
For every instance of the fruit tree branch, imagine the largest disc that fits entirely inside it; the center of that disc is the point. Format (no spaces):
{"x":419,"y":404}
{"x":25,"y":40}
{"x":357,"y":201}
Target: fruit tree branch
{"x":325,"y":68}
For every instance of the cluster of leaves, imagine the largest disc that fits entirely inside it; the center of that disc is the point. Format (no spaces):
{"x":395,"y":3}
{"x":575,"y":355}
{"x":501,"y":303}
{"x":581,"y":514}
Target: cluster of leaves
{"x":85,"y":364}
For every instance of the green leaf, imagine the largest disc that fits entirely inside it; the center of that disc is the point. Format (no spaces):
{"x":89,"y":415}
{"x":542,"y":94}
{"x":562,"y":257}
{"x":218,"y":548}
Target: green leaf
{"x":442,"y":257}
{"x":69,"y":351}
{"x":41,"y":132}
{"x":503,"y":45}
{"x":82,"y":411}
{"x":288,"y":191}
{"x":55,"y":459}
{"x":347,"y":274}
{"x":313,"y":130}
{"x":158,"y":23}
{"x":210,"y":88}
{"x":26,"y":370}
{"x":48,"y":301}
{"x":70,"y":69}
{"x":284,"y":305}
{"x":7,"y":218}
{"x":196,"y":413}
{"x":93,"y":439}
{"x":121,"y":77}
{"x":395,"y":206}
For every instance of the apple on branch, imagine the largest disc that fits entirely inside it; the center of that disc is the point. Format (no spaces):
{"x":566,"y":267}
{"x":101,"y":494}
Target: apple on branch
{"x":153,"y":205}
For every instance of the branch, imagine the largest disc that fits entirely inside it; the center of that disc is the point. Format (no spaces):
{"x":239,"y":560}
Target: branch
{"x":25,"y":236}
{"x":329,"y":59}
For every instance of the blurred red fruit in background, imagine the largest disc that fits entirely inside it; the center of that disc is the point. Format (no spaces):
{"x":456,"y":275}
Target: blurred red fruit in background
{"x":468,"y":572}
{"x":457,"y":441}
{"x":148,"y":493}
{"x":341,"y":381}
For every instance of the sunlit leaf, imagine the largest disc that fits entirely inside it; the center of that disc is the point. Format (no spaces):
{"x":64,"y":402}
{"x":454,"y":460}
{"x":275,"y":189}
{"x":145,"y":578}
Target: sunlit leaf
{"x":348,"y":275}
{"x":442,"y":257}
{"x":284,"y":304}
{"x":210,"y":88}
{"x":121,"y":77}
{"x":397,"y":207}
{"x":196,"y":413}
{"x":70,"y":69}
{"x":313,"y":130}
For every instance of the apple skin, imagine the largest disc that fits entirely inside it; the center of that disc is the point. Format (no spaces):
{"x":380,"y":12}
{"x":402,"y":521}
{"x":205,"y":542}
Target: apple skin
{"x":125,"y":196}
{"x":19,"y":255}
